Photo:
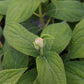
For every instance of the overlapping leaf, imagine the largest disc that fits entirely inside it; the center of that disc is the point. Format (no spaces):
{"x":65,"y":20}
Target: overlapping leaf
{"x":28,"y":77}
{"x":4,"y":6}
{"x":30,"y":26}
{"x":10,"y":76}
{"x":21,"y":39}
{"x":77,"y":42}
{"x":14,"y":60}
{"x":68,"y":10}
{"x":62,"y":35}
{"x":75,"y":72}
{"x":50,"y":69}
{"x":21,"y":10}
{"x":0,"y":31}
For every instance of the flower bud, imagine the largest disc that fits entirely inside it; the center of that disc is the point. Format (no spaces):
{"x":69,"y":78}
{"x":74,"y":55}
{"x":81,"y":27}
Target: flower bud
{"x":39,"y":42}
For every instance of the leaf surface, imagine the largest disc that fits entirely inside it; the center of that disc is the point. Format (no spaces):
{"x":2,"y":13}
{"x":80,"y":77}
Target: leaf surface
{"x":4,"y":6}
{"x":62,"y":35}
{"x":50,"y":69}
{"x":67,"y":10}
{"x":30,"y":26}
{"x":77,"y":42}
{"x":28,"y":77}
{"x":10,"y":76}
{"x":21,"y":39}
{"x":21,"y":10}
{"x":75,"y":72}
{"x":14,"y":59}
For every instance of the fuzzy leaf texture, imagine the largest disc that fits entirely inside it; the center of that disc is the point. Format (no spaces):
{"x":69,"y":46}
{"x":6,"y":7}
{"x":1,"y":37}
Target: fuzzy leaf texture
{"x":28,"y":77}
{"x":50,"y":69}
{"x":21,"y":39}
{"x":17,"y":60}
{"x":21,"y":10}
{"x":61,"y":33}
{"x":10,"y":76}
{"x":75,"y":72}
{"x":77,"y":42}
{"x":68,"y":10}
{"x":4,"y":6}
{"x":30,"y":26}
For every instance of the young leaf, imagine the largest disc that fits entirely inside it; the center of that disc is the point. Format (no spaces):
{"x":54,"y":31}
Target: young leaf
{"x":62,"y":35}
{"x":75,"y":72}
{"x":68,"y":10}
{"x":21,"y":39}
{"x":21,"y":10}
{"x":10,"y":76}
{"x":47,"y":36}
{"x":14,"y":59}
{"x":50,"y":69}
{"x":77,"y":42}
{"x":28,"y":77}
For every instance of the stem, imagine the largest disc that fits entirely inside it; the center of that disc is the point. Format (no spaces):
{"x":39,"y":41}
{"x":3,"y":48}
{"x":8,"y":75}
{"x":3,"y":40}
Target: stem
{"x":41,"y":51}
{"x":44,"y":14}
{"x":36,"y":14}
{"x":41,"y":15}
{"x":48,"y":22}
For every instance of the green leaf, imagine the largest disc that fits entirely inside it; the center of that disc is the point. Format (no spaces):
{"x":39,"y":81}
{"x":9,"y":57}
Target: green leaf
{"x":21,"y":10}
{"x":75,"y":72}
{"x":6,"y":47}
{"x":21,"y":39}
{"x":30,"y":26}
{"x":47,"y":36}
{"x":77,"y":42}
{"x":62,"y":35}
{"x":62,"y":0}
{"x":1,"y":53}
{"x":50,"y":69}
{"x":0,"y":65}
{"x":66,"y":10}
{"x":0,"y":31}
{"x":83,"y":3}
{"x":4,"y":6}
{"x":10,"y":76}
{"x":28,"y":77}
{"x":1,"y":17}
{"x":44,"y":1}
{"x":17,"y":60}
